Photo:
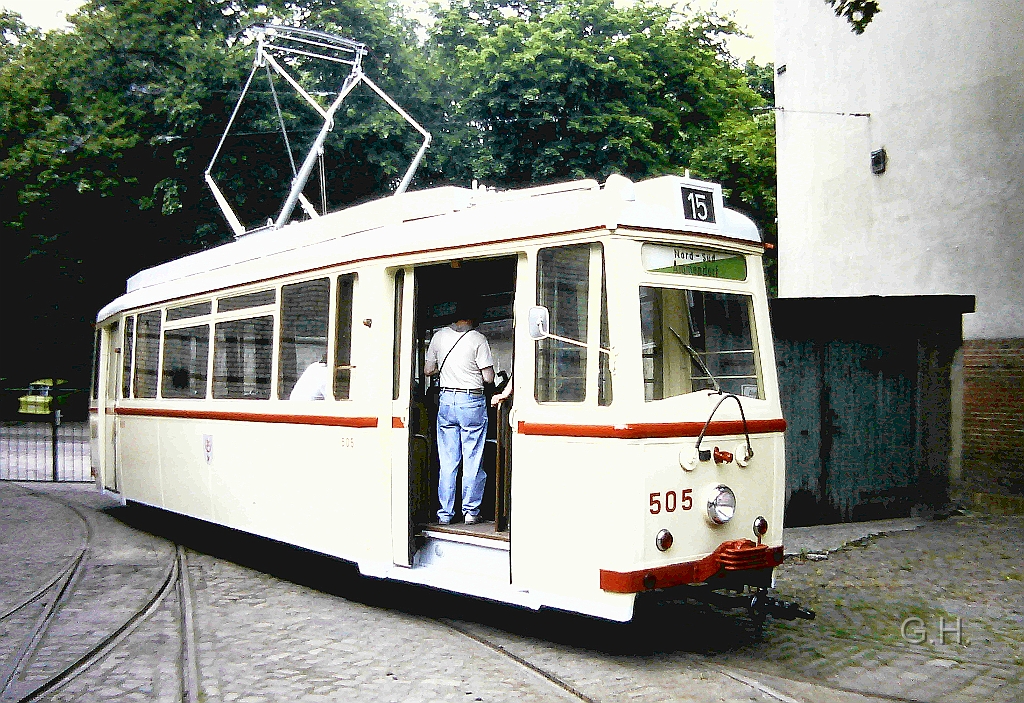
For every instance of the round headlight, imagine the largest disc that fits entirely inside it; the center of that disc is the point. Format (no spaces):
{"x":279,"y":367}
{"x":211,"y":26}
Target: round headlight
{"x":721,"y":505}
{"x":664,"y":540}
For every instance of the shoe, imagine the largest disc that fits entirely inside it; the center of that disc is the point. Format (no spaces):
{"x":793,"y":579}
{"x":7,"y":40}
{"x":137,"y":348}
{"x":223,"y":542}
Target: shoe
{"x":444,"y":520}
{"x":473,"y":519}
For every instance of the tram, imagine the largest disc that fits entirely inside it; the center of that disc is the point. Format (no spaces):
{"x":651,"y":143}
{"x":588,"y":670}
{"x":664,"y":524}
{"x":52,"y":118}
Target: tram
{"x":641,"y":451}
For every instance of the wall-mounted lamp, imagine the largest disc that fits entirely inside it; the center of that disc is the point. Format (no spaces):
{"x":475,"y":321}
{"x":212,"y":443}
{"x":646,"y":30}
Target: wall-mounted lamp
{"x":879,"y":160}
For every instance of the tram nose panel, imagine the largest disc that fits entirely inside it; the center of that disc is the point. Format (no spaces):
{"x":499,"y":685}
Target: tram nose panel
{"x":707,"y":499}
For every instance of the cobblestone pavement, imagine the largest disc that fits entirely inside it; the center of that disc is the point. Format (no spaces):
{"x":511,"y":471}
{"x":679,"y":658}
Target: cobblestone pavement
{"x":964,"y":571}
{"x":968,"y":568}
{"x":277,"y":624}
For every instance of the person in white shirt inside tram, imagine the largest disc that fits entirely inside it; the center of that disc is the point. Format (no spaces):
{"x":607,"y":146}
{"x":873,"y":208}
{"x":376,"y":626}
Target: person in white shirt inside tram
{"x":462,"y":357}
{"x":314,"y":383}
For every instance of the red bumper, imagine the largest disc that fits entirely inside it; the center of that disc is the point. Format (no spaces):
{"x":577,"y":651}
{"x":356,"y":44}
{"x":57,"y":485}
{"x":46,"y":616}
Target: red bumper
{"x":733,"y":556}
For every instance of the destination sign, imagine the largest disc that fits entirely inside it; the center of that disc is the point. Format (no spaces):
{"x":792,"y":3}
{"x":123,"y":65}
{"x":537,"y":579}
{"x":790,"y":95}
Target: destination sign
{"x":689,"y":261}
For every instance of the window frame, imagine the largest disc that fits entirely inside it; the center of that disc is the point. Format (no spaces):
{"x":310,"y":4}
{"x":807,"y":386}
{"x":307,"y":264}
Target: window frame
{"x":598,"y":364}
{"x":335,"y":329}
{"x":674,"y":283}
{"x":127,"y":372}
{"x":158,"y":368}
{"x":183,"y":324}
{"x":276,"y":393}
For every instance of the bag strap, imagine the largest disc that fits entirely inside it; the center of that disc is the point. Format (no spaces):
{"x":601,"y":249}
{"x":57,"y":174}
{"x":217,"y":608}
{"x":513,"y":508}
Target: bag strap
{"x":450,"y":353}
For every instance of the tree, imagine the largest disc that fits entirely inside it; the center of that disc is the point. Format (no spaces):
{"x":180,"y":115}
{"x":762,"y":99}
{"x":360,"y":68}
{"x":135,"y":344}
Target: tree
{"x":105,"y":132}
{"x":544,"y":90}
{"x":858,"y":13}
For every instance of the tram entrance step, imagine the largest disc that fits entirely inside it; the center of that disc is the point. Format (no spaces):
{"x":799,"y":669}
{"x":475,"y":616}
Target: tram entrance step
{"x":457,"y":559}
{"x":481,"y":530}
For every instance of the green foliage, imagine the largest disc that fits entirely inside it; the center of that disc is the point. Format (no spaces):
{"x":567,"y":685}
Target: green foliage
{"x":741,"y":156}
{"x":544,"y":90}
{"x":858,"y":13}
{"x":761,"y":80}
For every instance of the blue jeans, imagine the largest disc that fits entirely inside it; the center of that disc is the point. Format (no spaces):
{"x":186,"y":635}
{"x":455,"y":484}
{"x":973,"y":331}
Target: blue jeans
{"x":461,"y":433}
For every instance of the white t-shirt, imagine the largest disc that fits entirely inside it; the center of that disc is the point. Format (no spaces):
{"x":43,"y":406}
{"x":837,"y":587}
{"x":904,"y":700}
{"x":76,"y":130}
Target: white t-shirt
{"x":462,"y":367}
{"x":313,"y":384}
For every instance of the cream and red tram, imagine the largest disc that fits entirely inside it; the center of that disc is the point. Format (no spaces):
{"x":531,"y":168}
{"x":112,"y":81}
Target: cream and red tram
{"x":642,"y":448}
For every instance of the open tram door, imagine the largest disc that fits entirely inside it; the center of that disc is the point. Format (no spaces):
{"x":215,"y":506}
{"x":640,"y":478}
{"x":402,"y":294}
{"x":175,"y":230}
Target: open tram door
{"x":110,"y":352}
{"x":430,"y":306}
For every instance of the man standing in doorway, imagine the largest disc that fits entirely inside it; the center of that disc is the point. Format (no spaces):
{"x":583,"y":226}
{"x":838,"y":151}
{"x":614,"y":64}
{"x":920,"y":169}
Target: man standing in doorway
{"x":463,"y":358}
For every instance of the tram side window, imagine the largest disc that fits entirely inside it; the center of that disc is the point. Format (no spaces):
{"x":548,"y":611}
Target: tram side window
{"x":396,"y":356}
{"x":604,"y":374}
{"x":243,"y":352}
{"x":303,"y":350}
{"x":147,"y":353}
{"x":343,"y":339}
{"x":691,"y":339}
{"x":113,"y":334}
{"x":126,"y":357}
{"x":186,"y":355}
{"x":563,"y":282}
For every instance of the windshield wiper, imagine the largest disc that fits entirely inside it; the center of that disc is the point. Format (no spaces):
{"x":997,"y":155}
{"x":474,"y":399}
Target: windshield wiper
{"x":696,"y":357}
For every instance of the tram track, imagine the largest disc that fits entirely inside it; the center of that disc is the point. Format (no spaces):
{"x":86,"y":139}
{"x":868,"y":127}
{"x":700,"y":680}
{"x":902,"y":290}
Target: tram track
{"x":67,"y":567}
{"x":62,"y":586}
{"x":747,"y":677}
{"x":741,"y":677}
{"x":525,"y":663}
{"x":174,"y":582}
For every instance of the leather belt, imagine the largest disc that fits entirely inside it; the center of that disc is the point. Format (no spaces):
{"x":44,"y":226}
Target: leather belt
{"x":470,"y":391}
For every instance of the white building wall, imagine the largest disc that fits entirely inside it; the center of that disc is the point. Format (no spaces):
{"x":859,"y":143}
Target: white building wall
{"x":943,"y":82}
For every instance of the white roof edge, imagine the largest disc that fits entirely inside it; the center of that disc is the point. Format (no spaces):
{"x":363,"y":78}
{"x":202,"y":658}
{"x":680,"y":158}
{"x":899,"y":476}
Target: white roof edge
{"x":736,"y":225}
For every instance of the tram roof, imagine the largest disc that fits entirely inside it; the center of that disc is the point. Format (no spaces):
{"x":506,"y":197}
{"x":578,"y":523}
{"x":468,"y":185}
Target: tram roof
{"x":435,"y":219}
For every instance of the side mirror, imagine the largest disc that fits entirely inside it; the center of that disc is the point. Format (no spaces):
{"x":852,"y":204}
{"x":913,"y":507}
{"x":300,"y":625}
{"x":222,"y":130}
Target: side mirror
{"x":538,"y":322}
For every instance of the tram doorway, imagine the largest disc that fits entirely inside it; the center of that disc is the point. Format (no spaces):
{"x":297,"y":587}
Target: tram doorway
{"x":438,"y":288}
{"x":111,"y":344}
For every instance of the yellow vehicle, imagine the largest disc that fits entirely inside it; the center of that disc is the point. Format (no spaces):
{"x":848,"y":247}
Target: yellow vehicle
{"x":40,"y":397}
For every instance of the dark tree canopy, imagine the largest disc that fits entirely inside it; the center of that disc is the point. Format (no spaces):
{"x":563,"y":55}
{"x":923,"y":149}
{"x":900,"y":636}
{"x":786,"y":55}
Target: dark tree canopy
{"x":106,"y":129}
{"x":858,"y":13}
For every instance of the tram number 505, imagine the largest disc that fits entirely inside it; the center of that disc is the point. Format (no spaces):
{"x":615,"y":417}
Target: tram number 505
{"x":698,"y":205}
{"x":672,"y":501}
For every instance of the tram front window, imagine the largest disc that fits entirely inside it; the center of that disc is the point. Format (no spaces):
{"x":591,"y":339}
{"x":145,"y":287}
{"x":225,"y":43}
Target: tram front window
{"x":693,"y":340}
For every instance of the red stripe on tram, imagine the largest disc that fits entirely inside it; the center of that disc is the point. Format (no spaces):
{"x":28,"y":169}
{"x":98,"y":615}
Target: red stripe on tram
{"x":280,"y":418}
{"x":397,"y":424}
{"x":652,"y":430}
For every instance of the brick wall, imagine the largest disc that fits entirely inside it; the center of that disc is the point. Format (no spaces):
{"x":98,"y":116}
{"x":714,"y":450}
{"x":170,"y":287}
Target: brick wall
{"x":993,"y":419}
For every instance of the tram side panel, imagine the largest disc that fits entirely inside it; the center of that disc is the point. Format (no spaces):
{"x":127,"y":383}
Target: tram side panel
{"x":184,"y":470}
{"x":320,"y":488}
{"x":139,"y":459}
{"x":571,"y":514}
{"x":317,"y":487}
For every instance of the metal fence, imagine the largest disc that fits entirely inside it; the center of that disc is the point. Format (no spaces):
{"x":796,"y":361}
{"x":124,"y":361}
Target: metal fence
{"x":34,"y":450}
